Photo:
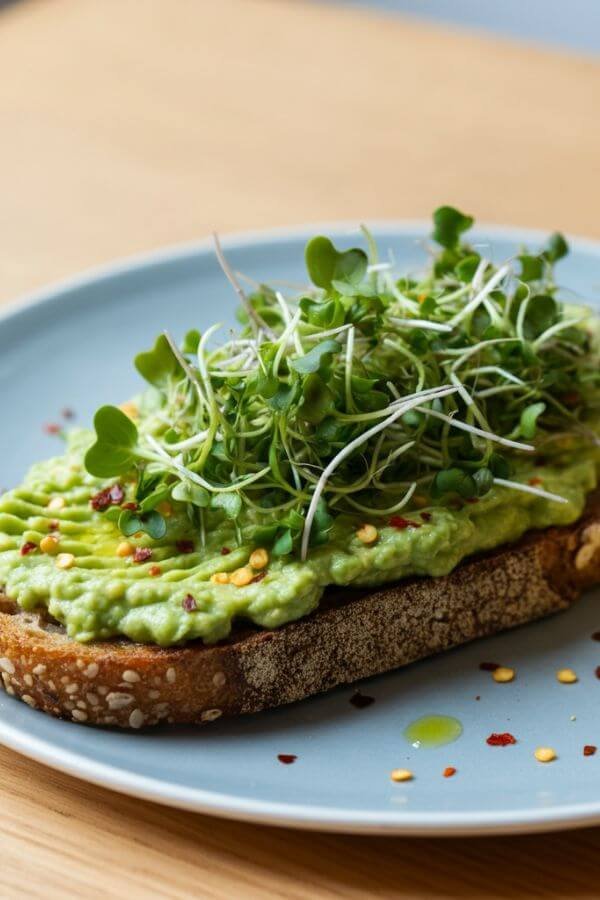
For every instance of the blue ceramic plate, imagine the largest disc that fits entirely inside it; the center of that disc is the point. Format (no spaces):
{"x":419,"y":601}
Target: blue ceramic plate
{"x":72,"y":346}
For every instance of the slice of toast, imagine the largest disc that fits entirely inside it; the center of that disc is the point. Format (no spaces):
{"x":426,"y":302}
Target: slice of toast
{"x":352,"y":635}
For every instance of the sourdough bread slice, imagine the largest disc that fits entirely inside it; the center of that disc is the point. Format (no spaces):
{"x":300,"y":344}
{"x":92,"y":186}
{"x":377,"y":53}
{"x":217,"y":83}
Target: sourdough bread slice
{"x":352,"y":635}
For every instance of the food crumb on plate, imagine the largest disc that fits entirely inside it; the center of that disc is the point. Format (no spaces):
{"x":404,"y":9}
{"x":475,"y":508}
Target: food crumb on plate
{"x":502,"y":675}
{"x":545,"y":754}
{"x":360,"y":701}
{"x":566,"y":676}
{"x":501,"y":739}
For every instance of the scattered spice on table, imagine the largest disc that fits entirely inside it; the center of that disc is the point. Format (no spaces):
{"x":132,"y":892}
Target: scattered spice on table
{"x":449,"y":771}
{"x":589,"y":750}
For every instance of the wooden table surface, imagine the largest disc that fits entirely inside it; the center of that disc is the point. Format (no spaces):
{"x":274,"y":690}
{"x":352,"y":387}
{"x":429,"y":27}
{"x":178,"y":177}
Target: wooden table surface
{"x":129,"y":125}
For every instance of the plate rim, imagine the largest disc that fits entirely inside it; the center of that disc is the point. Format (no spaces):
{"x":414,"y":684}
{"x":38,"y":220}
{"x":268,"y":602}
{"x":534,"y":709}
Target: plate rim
{"x":230,"y":806}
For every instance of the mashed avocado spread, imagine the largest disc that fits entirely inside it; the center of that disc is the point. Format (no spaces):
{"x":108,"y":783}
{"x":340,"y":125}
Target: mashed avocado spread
{"x":368,"y":428}
{"x":104,"y":595}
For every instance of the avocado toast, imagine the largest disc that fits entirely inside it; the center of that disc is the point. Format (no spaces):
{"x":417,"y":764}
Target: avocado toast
{"x":256,"y":498}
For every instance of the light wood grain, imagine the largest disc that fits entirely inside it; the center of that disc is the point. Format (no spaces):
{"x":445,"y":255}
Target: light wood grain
{"x":125,"y":126}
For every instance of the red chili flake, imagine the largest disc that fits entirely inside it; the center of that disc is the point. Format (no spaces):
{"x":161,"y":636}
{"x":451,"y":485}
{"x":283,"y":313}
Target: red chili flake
{"x":401,"y":523}
{"x":258,"y":577}
{"x":472,"y":500}
{"x":131,"y":504}
{"x":489,"y":666}
{"x":28,"y":547}
{"x":287,"y":758}
{"x":189,"y":603}
{"x":53,"y":525}
{"x":360,"y":701}
{"x":597,"y":671}
{"x":67,"y":413}
{"x":142,"y":554}
{"x":52,"y":428}
{"x":449,"y":771}
{"x":225,"y":551}
{"x":110,"y":496}
{"x":184,"y":546}
{"x":589,"y":750}
{"x":596,"y":636}
{"x":426,"y":516}
{"x":571,"y":399}
{"x":154,"y":571}
{"x":501,"y":740}
{"x":535,"y":481}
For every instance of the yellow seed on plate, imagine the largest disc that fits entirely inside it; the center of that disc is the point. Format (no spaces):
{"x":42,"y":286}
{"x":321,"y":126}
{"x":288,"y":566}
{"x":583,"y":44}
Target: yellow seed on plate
{"x":49,"y":544}
{"x":64,"y":560}
{"x":566,"y":676}
{"x":165,"y":509}
{"x":125,"y":549}
{"x":130,"y":410}
{"x":367,"y":534}
{"x":401,"y":775}
{"x":259,"y":558}
{"x":220,"y":578}
{"x":545,"y":754}
{"x":57,"y":503}
{"x":503,"y":674}
{"x":241,"y":577}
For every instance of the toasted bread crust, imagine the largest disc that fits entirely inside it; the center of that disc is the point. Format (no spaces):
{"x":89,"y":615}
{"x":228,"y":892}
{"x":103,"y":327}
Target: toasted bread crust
{"x":353,"y":634}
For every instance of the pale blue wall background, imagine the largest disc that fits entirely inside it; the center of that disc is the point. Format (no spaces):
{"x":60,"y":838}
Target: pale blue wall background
{"x":571,"y":24}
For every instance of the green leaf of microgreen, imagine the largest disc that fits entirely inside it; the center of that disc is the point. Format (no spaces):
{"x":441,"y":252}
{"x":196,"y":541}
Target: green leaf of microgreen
{"x":466,"y":268}
{"x":114,"y":450}
{"x":455,"y":481}
{"x":556,"y":247}
{"x":484,"y":481}
{"x":318,"y":400}
{"x":325,"y":263}
{"x":541,"y":313}
{"x":318,"y":360}
{"x":230,"y":503}
{"x":529,"y":418}
{"x":449,"y":223}
{"x":151,"y":523}
{"x":191,"y":341}
{"x":532,"y":267}
{"x":284,"y":543}
{"x":159,"y":364}
{"x":157,"y":496}
{"x":327,"y":314}
{"x":188,"y":492}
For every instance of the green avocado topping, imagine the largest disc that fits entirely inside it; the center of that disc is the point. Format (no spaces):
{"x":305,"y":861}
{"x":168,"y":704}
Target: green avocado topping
{"x":449,"y":411}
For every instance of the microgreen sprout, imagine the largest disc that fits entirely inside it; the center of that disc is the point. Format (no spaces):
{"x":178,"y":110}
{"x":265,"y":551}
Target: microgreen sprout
{"x":358,"y":395}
